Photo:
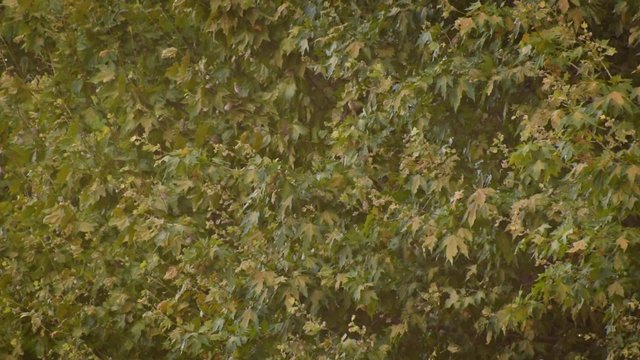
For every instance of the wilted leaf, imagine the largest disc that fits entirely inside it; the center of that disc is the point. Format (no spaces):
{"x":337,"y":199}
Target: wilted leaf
{"x":397,"y":330}
{"x":171,"y":273}
{"x":354,"y":49}
{"x":86,"y":227}
{"x":453,"y":348}
{"x":632,"y":173}
{"x":616,"y":98}
{"x":430,"y":242}
{"x":615,"y":289}
{"x":246,"y":317}
{"x":169,"y":53}
{"x":578,"y":246}
{"x":464,"y":25}
{"x":563,"y":5}
{"x":622,"y":243}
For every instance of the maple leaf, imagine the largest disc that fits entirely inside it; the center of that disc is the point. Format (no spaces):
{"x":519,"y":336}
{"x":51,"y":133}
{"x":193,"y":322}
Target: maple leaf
{"x":171,"y":273}
{"x":617,"y":98}
{"x":622,"y":243}
{"x":578,"y":246}
{"x":464,"y":24}
{"x":563,"y":5}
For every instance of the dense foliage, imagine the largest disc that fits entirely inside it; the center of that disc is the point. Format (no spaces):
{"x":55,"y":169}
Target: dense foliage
{"x":319,"y":179}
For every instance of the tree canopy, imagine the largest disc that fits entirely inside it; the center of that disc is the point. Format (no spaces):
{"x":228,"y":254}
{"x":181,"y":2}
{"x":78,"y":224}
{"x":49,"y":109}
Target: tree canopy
{"x":345,"y":179}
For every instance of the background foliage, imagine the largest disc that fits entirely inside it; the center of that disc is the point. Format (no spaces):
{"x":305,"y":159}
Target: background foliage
{"x":319,"y":179}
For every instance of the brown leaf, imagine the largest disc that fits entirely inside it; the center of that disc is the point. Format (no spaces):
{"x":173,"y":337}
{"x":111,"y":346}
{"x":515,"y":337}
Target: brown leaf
{"x":354,"y":49}
{"x":171,"y":273}
{"x":563,"y":5}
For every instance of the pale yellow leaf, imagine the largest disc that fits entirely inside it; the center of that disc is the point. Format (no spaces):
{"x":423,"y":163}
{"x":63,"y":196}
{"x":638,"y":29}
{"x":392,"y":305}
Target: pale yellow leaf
{"x":171,"y":273}
{"x":55,"y":217}
{"x":615,"y":289}
{"x":622,"y":243}
{"x":453,"y":348}
{"x":464,"y":25}
{"x":86,"y":227}
{"x":617,"y":98}
{"x":632,"y":173}
{"x":354,"y":49}
{"x":246,"y":316}
{"x":398,"y":330}
{"x":454,"y":244}
{"x":465,"y":234}
{"x":429,"y":242}
{"x":311,"y":328}
{"x":169,"y":53}
{"x":578,"y":246}
{"x":471,"y":213}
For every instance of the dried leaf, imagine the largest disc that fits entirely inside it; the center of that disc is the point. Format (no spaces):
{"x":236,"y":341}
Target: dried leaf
{"x":169,"y":53}
{"x":563,"y":5}
{"x":171,"y":273}
{"x":622,"y":243}
{"x":578,"y":246}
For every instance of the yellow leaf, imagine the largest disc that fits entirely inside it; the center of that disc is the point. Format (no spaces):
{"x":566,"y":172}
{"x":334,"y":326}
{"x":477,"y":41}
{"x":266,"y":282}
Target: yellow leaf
{"x":465,"y":234}
{"x":471,"y":213}
{"x":622,"y":243}
{"x":169,"y":53}
{"x":615,"y":289}
{"x":247,"y":316}
{"x":340,"y":280}
{"x":311,"y":328}
{"x":262,"y":279}
{"x":398,"y":330}
{"x":477,"y":202}
{"x":289,"y":302}
{"x":453,"y":348}
{"x":454,"y":244}
{"x":55,"y":217}
{"x":632,"y":172}
{"x":578,"y":246}
{"x":86,"y":227}
{"x":451,"y":247}
{"x":464,"y":25}
{"x":617,"y":98}
{"x":429,"y":242}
